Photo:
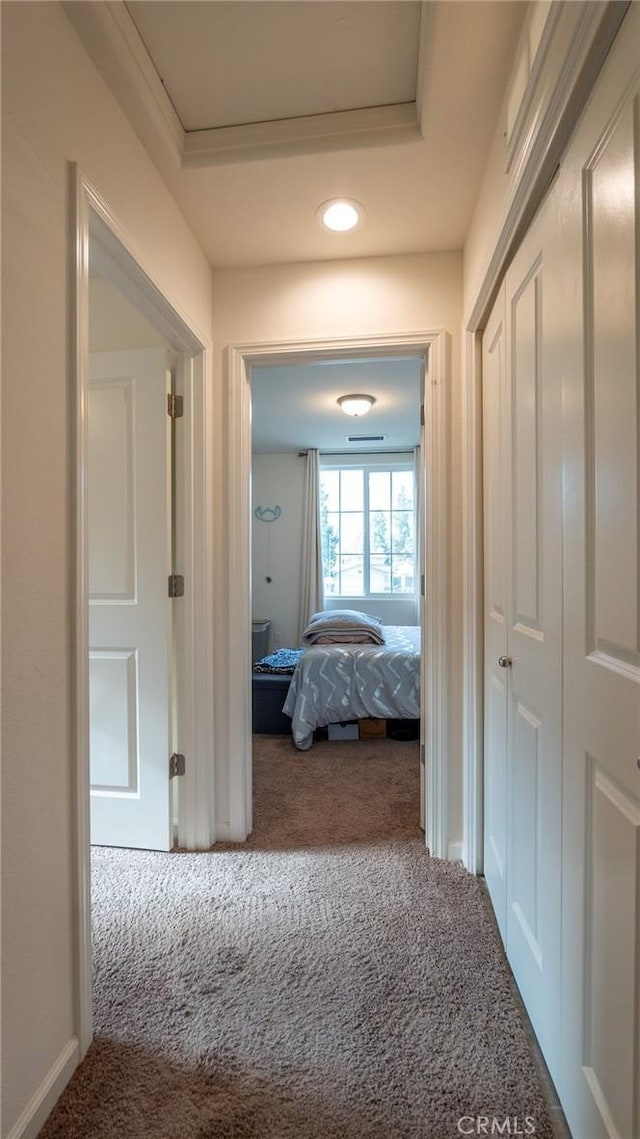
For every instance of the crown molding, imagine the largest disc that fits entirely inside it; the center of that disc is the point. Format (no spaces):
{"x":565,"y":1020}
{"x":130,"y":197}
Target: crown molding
{"x":114,"y":44}
{"x":309,"y":134}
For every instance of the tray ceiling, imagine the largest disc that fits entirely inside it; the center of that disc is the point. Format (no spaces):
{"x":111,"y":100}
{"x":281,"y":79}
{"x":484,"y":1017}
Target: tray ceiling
{"x":229,"y":64}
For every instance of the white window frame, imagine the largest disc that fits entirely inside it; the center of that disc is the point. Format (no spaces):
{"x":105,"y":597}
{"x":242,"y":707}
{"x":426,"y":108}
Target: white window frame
{"x":384,"y":462}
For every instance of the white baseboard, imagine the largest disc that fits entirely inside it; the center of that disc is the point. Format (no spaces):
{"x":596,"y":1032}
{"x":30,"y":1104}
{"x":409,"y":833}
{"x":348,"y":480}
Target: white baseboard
{"x":226,"y":833}
{"x":44,"y":1099}
{"x":454,"y":852}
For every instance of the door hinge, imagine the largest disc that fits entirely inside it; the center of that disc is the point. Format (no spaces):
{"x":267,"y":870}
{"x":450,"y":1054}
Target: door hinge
{"x":177,"y":765}
{"x":175,"y":406}
{"x":422,"y":415}
{"x":176,"y":585}
{"x":422,"y":755}
{"x":422,"y":584}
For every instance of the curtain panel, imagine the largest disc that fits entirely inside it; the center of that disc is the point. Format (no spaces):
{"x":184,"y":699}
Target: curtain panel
{"x":311,"y":583}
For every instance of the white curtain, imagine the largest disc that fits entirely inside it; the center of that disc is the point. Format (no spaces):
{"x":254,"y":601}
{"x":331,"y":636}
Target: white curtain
{"x":419,"y":492}
{"x":311,"y":584}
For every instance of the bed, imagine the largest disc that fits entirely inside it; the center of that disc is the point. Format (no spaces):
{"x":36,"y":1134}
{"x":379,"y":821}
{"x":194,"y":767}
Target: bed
{"x":334,"y":683}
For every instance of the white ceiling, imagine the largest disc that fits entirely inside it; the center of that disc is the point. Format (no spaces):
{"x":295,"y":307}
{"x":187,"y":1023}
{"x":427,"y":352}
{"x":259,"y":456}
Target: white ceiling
{"x":294,"y":407}
{"x":218,"y":61}
{"x":304,"y":79}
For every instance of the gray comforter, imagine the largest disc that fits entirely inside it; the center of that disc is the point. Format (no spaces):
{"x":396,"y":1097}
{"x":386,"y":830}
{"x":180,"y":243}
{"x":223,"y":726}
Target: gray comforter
{"x":333,"y":683}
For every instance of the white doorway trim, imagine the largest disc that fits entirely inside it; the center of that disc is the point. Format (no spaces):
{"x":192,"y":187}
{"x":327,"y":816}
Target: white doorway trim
{"x":434,"y":346}
{"x":95,"y":227}
{"x":473,"y":608}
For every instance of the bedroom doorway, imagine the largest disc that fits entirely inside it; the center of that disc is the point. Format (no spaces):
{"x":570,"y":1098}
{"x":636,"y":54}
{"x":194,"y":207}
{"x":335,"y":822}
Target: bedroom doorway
{"x":336,"y":524}
{"x":432,"y":349}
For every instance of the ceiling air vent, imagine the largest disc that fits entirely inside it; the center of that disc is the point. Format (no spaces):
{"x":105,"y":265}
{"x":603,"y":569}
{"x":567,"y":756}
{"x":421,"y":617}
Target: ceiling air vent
{"x":365,"y":438}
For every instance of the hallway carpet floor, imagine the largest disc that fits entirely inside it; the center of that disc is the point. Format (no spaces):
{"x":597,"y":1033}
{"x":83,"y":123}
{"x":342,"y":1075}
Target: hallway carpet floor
{"x":327,"y":979}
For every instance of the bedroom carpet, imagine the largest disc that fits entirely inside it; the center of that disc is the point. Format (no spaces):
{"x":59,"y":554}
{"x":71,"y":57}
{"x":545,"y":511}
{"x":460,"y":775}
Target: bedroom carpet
{"x":325,"y":980}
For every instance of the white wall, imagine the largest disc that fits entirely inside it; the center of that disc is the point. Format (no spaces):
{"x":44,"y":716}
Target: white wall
{"x":114,"y":324}
{"x":581,"y":32}
{"x":328,"y":299}
{"x":56,"y":110}
{"x":487,"y":221}
{"x":277,"y":546}
{"x":399,"y":611}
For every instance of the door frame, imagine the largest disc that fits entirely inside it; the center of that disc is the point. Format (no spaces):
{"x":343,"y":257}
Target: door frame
{"x":435,"y":348}
{"x":95,"y":225}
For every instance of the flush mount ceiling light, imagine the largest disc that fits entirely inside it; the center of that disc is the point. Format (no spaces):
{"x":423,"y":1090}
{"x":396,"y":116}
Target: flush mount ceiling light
{"x":356,"y":404}
{"x":340,"y":214}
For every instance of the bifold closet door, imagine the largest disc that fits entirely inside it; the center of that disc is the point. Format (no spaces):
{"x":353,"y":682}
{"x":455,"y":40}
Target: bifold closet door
{"x":600,"y":196}
{"x":523,"y":639}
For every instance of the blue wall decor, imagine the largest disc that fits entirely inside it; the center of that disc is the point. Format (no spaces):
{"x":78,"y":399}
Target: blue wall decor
{"x":268,"y":513}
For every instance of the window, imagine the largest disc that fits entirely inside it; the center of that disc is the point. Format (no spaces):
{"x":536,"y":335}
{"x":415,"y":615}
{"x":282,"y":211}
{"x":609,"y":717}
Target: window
{"x":368,"y":521}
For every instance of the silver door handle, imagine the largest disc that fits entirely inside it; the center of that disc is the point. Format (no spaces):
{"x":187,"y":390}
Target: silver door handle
{"x":505,"y":662}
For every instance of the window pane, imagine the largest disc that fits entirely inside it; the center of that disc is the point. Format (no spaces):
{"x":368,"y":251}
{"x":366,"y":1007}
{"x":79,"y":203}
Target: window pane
{"x":379,"y":574}
{"x":402,"y":485}
{"x":351,"y":490}
{"x":330,"y":550}
{"x":379,"y":490}
{"x":380,"y":532}
{"x":352,"y":534}
{"x":403,"y":575}
{"x":329,"y":490}
{"x":331,"y":582}
{"x":332,"y":521}
{"x":403,"y":523}
{"x":351,"y":576}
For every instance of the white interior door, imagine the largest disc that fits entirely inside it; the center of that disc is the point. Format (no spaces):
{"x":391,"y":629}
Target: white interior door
{"x":600,"y":194}
{"x":129,"y":497}
{"x":523,"y":488}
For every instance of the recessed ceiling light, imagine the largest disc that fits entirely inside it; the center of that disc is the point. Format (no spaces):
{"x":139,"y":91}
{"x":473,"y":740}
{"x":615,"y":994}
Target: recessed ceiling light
{"x":356,"y":404}
{"x":340,"y":214}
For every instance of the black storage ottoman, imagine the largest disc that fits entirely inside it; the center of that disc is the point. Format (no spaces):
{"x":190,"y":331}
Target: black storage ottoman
{"x":269,"y":694}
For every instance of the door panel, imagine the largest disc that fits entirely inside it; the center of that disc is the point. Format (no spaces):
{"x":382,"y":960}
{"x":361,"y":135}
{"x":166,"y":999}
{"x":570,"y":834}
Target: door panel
{"x":599,"y":186}
{"x":612,"y":834}
{"x":525,"y":436}
{"x":112,"y":562}
{"x":113,"y":687}
{"x":129,"y":473}
{"x":524,"y":870}
{"x":612,"y":409}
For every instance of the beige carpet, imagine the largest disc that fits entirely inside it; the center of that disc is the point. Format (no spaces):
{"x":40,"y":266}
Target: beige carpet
{"x":326,"y":980}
